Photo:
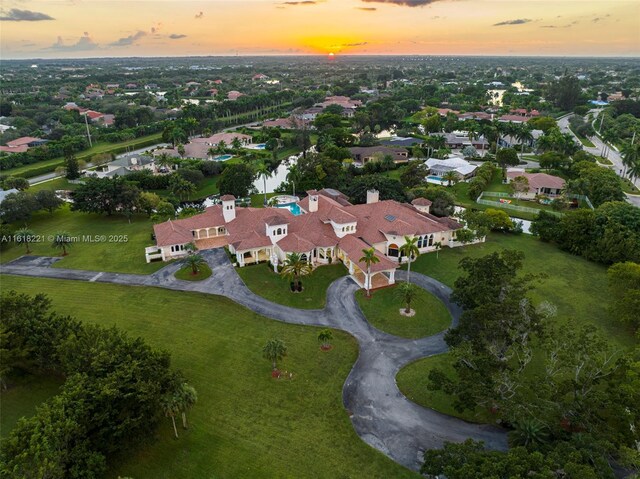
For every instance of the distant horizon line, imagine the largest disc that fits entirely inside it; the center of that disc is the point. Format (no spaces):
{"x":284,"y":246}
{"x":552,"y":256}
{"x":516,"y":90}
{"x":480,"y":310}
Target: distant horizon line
{"x":334,"y":57}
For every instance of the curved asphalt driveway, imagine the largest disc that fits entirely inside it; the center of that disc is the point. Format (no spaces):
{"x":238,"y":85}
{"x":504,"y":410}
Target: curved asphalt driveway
{"x":381,"y":415}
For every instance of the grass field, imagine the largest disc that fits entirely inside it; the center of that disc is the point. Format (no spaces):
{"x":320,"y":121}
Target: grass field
{"x":263,"y":281}
{"x":120,"y":248}
{"x":22,"y":396}
{"x":382,"y":310}
{"x":577,"y":287}
{"x":245,"y":424}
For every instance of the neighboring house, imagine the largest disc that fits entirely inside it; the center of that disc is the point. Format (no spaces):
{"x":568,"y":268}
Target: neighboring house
{"x":509,"y":141}
{"x":4,"y":128}
{"x":514,"y":119}
{"x":260,"y":77}
{"x":234,"y":95}
{"x":199,"y":147}
{"x":365,"y":154}
{"x":539,"y":183}
{"x":457,"y":140}
{"x":20,"y":145}
{"x":475,"y":115}
{"x":290,"y":123}
{"x":5,"y":193}
{"x":310,"y":114}
{"x":123,"y":166}
{"x":328,"y":229}
{"x":405,"y":142}
{"x":460,"y":166}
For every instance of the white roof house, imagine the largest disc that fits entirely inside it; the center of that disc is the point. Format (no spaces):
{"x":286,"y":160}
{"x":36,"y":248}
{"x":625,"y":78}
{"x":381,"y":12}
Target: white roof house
{"x":439,"y":167}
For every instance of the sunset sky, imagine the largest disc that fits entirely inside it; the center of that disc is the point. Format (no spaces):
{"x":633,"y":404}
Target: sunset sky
{"x":111,"y":28}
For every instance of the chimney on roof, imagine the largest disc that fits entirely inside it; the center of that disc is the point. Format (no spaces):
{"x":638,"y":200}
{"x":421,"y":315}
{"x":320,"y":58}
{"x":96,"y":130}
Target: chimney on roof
{"x":313,"y":201}
{"x":373,"y":196}
{"x":228,"y":208}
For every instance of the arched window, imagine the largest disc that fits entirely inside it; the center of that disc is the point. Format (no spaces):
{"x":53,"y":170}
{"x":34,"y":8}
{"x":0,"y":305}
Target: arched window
{"x":279,"y":231}
{"x":430,"y":240}
{"x":393,"y":250}
{"x":303,"y":257}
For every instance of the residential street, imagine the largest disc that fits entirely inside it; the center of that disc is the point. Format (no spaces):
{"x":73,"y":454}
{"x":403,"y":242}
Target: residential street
{"x":612,"y":154}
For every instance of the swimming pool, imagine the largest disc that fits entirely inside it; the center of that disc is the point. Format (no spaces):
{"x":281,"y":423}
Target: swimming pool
{"x":294,"y":208}
{"x":434,"y":178}
{"x":259,"y":146}
{"x":222,"y":157}
{"x":437,"y":180}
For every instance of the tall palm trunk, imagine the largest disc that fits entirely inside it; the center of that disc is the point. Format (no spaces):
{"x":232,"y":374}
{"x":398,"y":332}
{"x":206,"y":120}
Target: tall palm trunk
{"x":184,"y":421}
{"x":264,"y":180}
{"x":175,"y":429}
{"x":368,"y":281}
{"x":408,"y":268}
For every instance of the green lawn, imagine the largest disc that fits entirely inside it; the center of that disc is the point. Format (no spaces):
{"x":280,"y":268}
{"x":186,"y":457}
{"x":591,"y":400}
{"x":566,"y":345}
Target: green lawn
{"x":577,"y":287}
{"x":245,"y":424}
{"x":120,"y":249}
{"x":584,"y":140}
{"x":186,"y":273}
{"x":263,"y":281}
{"x":461,"y":192}
{"x":629,"y":187}
{"x":382,"y":310}
{"x":60,"y":183}
{"x":22,"y":396}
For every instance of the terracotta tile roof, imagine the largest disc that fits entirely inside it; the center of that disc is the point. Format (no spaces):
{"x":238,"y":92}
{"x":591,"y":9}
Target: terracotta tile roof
{"x":23,"y":141}
{"x":276,"y":220}
{"x":353,"y":247}
{"x":293,"y":243}
{"x":539,"y":180}
{"x":340,"y":216}
{"x":227,"y":198}
{"x":169,"y":233}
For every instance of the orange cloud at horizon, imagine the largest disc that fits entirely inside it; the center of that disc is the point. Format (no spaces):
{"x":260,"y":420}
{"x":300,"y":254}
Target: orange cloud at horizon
{"x":95,"y":28}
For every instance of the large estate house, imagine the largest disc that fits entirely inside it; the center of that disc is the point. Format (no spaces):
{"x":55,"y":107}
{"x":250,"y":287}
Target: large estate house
{"x":329,"y":228}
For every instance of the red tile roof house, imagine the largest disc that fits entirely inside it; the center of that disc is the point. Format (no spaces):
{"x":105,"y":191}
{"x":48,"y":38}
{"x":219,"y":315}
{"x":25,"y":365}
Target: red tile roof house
{"x":328,"y":229}
{"x":199,"y":147}
{"x":365,"y":154}
{"x":20,"y":145}
{"x":539,"y":183}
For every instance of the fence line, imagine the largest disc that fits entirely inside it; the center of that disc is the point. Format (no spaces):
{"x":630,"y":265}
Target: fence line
{"x":497,"y":204}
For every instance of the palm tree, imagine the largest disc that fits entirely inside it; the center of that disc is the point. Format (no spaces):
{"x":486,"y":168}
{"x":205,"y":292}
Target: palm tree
{"x":451,"y":177}
{"x":164,"y":160}
{"x":407,"y":292}
{"x":294,"y":267}
{"x":262,"y":171}
{"x":369,"y":258}
{"x":26,"y":236}
{"x":630,"y":156}
{"x":236,"y":144}
{"x":438,"y":246}
{"x":181,"y":150}
{"x":528,"y":432}
{"x":608,"y":137}
{"x":195,"y":261}
{"x":211,"y":152}
{"x":187,"y":398}
{"x":171,"y":407}
{"x":274,"y":351}
{"x":294,"y":176}
{"x":62,"y":240}
{"x":411,"y":251}
{"x":524,"y":135}
{"x":324,"y":337}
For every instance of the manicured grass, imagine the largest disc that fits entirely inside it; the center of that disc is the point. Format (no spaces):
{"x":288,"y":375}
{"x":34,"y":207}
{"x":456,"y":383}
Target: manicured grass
{"x":577,"y":287}
{"x":584,"y":140}
{"x":629,"y":187}
{"x":413,"y":381}
{"x":382,"y":310}
{"x":263,"y":281}
{"x":23,"y":395}
{"x":55,"y":184}
{"x":186,"y":273}
{"x":245,"y":423}
{"x":461,"y":192}
{"x":257,"y":200}
{"x":118,"y":245}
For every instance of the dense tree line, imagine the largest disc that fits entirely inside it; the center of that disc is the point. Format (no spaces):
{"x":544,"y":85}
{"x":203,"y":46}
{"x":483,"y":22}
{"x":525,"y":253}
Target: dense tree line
{"x":112,"y":398}
{"x":576,"y":406}
{"x":609,"y":234}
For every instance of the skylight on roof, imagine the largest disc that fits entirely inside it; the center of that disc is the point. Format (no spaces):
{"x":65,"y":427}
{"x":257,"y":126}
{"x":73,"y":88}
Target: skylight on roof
{"x":390,"y":218}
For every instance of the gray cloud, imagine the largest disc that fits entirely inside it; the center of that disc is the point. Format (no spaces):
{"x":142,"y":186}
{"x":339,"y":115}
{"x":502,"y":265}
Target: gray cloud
{"x":17,"y":15}
{"x":199,"y":15}
{"x":359,"y":44}
{"x":303,"y":2}
{"x":177,"y":36}
{"x":518,"y":21}
{"x":404,"y":3}
{"x":84,"y":43}
{"x":367,"y":9}
{"x":130,"y":40}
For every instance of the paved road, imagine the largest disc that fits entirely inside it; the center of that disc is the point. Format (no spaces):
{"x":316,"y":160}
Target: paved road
{"x":612,"y":154}
{"x":381,"y":415}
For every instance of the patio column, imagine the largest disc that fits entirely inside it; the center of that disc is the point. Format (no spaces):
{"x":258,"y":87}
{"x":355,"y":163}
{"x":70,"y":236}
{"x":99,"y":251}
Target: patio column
{"x":240,"y":259}
{"x":350,"y":267}
{"x":392,"y":276}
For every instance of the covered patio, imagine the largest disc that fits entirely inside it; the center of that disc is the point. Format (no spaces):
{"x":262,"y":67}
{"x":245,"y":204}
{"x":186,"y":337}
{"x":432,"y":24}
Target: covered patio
{"x":381,"y":279}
